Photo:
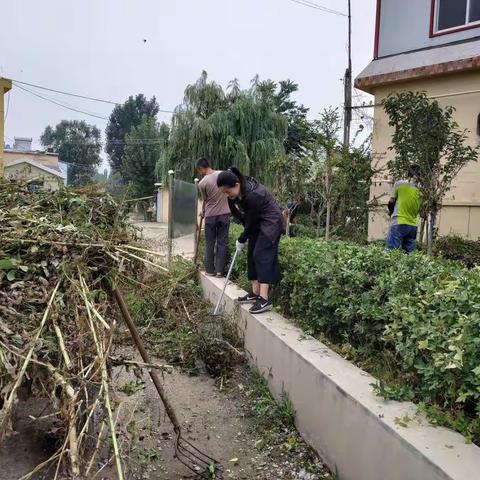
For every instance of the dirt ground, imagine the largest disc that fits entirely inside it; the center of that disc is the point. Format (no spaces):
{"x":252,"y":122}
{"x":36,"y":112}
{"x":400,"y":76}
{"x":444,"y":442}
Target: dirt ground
{"x":215,"y":419}
{"x":212,"y":419}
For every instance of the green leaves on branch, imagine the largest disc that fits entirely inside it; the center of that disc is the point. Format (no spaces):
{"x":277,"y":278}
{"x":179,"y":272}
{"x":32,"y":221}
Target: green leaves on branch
{"x":123,"y":118}
{"x":427,"y":135}
{"x":233,"y":127}
{"x":144,"y":145}
{"x":412,"y":319}
{"x":78,"y":144}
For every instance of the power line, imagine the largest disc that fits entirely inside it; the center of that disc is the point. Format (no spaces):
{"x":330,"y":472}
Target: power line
{"x":77,"y":95}
{"x":86,"y":97}
{"x":60,"y":104}
{"x":316,"y":6}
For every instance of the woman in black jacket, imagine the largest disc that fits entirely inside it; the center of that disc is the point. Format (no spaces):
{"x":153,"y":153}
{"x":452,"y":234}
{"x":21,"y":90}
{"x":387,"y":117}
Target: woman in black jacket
{"x":254,"y":206}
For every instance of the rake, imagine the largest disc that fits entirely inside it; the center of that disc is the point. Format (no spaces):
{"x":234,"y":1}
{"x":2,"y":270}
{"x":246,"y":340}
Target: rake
{"x":201,"y":464}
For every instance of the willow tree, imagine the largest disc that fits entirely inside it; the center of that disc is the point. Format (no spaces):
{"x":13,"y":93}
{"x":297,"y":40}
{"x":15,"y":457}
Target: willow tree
{"x":232,"y":127}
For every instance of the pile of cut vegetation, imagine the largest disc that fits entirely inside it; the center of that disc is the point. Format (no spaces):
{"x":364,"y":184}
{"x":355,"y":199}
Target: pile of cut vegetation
{"x":61,"y":253}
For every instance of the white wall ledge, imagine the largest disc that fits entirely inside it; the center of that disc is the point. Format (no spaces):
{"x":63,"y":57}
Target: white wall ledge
{"x":337,"y":412}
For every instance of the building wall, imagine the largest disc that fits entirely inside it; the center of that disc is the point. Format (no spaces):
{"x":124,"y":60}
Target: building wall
{"x":49,"y":160}
{"x":461,"y":212}
{"x":29,"y":172}
{"x":405,"y":26}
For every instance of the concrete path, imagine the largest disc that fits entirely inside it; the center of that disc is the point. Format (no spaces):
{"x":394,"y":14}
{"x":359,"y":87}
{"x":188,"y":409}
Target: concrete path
{"x":156,"y":235}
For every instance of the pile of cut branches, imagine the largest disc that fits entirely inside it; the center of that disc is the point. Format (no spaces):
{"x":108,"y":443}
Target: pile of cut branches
{"x":61,"y":254}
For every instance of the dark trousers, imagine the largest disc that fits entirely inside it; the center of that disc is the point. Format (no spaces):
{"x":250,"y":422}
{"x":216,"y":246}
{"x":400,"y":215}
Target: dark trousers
{"x":216,"y":234}
{"x":262,"y":259}
{"x":402,"y":237}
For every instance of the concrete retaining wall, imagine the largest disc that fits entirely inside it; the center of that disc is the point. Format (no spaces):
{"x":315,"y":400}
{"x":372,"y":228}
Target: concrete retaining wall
{"x":336,"y":412}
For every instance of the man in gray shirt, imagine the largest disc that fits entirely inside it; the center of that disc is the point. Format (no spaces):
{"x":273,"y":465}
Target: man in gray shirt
{"x":217,"y":219}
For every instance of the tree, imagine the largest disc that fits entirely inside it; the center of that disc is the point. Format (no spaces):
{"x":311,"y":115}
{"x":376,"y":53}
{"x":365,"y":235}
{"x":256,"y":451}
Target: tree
{"x":101,"y":177}
{"x":427,"y":135}
{"x":353,"y":176}
{"x":141,"y":157}
{"x":326,"y":139}
{"x":122,"y":120}
{"x":278,"y":97}
{"x":78,"y":145}
{"x":290,"y":183}
{"x":228,"y":128}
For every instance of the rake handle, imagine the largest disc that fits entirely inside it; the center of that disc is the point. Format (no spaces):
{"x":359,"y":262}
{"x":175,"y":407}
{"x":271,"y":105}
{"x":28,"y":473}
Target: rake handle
{"x":197,"y":244}
{"x":220,"y":298}
{"x":145,"y":357}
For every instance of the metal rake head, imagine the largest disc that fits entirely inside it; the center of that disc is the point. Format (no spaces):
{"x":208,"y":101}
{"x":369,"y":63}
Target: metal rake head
{"x":196,"y":461}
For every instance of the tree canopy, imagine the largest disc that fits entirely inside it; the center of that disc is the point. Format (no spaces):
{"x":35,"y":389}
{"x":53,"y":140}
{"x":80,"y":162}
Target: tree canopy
{"x":141,"y":156}
{"x":427,"y":135}
{"x":78,"y":145}
{"x":279,"y":98}
{"x":228,"y":127}
{"x":122,"y":119}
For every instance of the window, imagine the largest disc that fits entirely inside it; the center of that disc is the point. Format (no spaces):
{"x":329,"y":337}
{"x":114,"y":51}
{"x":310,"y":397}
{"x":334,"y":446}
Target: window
{"x":454,"y":14}
{"x":35,"y":186}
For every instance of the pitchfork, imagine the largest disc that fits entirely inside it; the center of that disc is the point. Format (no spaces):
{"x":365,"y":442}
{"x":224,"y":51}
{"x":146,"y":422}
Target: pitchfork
{"x":186,"y":453}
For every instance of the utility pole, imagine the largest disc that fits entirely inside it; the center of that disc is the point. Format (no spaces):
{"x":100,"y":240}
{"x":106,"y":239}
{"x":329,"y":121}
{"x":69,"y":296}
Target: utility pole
{"x":347,"y":83}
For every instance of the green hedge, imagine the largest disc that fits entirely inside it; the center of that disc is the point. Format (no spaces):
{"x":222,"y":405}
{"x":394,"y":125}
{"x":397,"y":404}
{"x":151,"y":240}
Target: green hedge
{"x":412,"y":320}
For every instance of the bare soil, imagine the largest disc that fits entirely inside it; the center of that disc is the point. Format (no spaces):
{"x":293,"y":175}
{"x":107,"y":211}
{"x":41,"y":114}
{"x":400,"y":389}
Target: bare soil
{"x":214,"y":420}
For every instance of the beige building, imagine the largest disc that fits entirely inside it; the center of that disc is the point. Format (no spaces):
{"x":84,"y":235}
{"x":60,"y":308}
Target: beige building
{"x":431,"y":46}
{"x":5,"y":86}
{"x":40,"y":169}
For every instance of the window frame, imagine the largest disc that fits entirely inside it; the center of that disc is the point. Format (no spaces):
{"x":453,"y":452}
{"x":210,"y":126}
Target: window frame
{"x":434,"y":32}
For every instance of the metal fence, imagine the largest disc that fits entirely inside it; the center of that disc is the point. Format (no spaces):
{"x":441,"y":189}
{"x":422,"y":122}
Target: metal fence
{"x":184,"y":211}
{"x":183,"y":215}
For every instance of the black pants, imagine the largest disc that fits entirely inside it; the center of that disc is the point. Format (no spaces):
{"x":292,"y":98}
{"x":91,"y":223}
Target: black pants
{"x":216,"y":233}
{"x":262,"y":259}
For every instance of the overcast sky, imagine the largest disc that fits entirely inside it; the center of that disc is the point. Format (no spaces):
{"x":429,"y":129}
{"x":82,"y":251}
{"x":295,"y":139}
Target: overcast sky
{"x":96,"y":48}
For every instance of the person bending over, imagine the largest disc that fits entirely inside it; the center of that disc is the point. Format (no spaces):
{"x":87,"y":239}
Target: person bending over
{"x":256,"y":208}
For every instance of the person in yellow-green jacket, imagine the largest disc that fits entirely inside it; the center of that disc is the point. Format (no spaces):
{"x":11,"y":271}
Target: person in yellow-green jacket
{"x":404,"y":207}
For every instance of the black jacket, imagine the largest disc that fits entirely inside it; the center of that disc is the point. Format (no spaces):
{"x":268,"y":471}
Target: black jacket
{"x":258,"y":211}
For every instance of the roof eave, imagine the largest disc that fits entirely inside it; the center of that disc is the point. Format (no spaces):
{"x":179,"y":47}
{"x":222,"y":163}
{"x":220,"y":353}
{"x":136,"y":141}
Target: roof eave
{"x":369,"y":83}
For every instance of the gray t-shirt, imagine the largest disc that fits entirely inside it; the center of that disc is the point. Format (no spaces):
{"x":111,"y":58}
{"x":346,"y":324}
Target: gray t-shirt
{"x":216,"y":202}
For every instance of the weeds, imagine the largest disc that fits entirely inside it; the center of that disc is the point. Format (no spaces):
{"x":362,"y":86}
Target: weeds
{"x":131,"y":388}
{"x":177,"y":323}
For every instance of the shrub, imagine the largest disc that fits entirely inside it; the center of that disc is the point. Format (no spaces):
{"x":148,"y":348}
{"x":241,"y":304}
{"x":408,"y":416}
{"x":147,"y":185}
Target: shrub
{"x":422,"y":313}
{"x":456,"y":248}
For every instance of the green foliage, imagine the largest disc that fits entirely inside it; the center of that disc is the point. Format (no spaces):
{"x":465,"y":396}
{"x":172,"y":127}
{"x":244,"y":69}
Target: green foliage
{"x":115,"y":185}
{"x":464,"y":251}
{"x":264,"y":406}
{"x":131,"y":388}
{"x":122,"y":120}
{"x":427,"y":135}
{"x":229,"y":128}
{"x":421,"y":313}
{"x":278,"y":97}
{"x":401,"y":393}
{"x":178,"y":322}
{"x":352,"y":178}
{"x":141,"y":157}
{"x":78,"y":145}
